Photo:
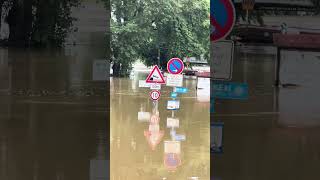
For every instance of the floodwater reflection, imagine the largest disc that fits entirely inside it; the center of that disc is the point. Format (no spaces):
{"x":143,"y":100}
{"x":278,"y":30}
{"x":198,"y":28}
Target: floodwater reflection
{"x":179,"y":145}
{"x":51,"y":125}
{"x":275,"y":133}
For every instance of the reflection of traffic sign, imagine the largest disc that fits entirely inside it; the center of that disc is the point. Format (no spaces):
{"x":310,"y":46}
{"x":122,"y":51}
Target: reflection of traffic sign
{"x":230,"y":90}
{"x":216,"y":133}
{"x":172,"y":122}
{"x":174,"y":95}
{"x":173,"y":105}
{"x":175,"y":80}
{"x":154,"y":128}
{"x":153,"y":138}
{"x":154,"y":119}
{"x":221,"y":56}
{"x":172,"y":147}
{"x":172,"y":161}
{"x":143,"y":116}
{"x":98,"y":169}
{"x":181,"y":90}
{"x":155,"y":76}
{"x":179,"y":137}
{"x":175,"y":66}
{"x":155,"y":95}
{"x":222,"y":16}
{"x":100,"y":70}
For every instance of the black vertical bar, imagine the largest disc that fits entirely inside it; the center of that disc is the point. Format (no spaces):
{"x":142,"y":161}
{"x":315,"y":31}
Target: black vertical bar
{"x":277,"y":83}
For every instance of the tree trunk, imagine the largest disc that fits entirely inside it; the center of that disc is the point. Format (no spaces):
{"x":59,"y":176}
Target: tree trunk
{"x":1,"y":4}
{"x":28,"y":20}
{"x":20,"y":22}
{"x":116,"y":69}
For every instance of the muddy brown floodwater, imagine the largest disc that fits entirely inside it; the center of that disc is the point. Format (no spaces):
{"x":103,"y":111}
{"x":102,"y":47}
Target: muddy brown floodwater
{"x":275,"y":133}
{"x":139,"y":147}
{"x":53,"y":117}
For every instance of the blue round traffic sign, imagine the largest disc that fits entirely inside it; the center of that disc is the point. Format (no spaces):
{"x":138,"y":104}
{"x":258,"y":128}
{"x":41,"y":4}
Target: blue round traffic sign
{"x":222,"y":18}
{"x":175,"y":66}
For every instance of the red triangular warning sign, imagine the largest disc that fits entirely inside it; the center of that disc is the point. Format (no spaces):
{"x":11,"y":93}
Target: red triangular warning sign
{"x":155,"y":76}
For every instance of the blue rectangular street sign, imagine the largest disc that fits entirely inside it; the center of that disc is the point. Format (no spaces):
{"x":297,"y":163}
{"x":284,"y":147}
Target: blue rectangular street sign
{"x":230,"y":90}
{"x":181,"y":90}
{"x":216,"y":140}
{"x":174,"y":95}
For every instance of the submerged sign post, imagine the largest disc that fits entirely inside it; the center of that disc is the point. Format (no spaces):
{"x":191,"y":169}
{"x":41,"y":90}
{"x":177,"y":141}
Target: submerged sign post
{"x":216,"y":133}
{"x":155,"y":79}
{"x":172,"y":150}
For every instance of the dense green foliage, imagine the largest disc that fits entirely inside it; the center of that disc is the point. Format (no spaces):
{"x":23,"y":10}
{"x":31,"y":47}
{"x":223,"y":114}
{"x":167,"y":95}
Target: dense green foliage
{"x":38,"y":22}
{"x":179,"y":28}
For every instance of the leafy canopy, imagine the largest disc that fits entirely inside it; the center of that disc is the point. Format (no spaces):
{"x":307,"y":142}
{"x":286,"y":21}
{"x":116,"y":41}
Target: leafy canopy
{"x":139,"y":28}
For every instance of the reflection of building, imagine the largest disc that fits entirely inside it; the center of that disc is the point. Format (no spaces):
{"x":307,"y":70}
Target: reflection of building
{"x":4,"y":71}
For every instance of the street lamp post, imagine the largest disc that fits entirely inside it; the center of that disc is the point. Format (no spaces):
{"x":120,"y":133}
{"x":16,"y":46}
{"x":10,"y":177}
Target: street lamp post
{"x":158,"y":41}
{"x":159,"y":55}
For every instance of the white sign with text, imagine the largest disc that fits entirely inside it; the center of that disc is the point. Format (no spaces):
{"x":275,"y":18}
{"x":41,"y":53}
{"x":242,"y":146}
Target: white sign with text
{"x":222,"y":60}
{"x":175,"y":80}
{"x":142,"y":83}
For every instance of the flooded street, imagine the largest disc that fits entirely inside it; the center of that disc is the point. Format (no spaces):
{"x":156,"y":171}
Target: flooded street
{"x":53,"y":117}
{"x":134,"y":157}
{"x":274,"y":134}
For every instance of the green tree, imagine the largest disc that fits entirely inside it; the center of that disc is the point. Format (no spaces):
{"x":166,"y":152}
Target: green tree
{"x":177,"y":28}
{"x":38,"y":22}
